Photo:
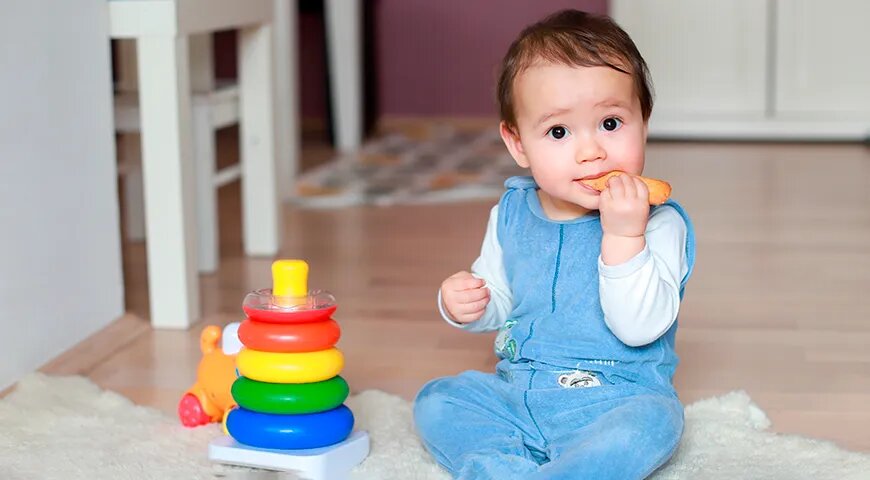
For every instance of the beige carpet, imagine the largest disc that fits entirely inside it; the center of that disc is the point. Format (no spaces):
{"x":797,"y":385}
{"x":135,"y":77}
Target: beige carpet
{"x":67,"y":428}
{"x":435,"y":165}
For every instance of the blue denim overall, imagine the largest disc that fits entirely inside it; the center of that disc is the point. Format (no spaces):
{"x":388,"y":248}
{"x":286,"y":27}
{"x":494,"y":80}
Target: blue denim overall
{"x":568,"y":400}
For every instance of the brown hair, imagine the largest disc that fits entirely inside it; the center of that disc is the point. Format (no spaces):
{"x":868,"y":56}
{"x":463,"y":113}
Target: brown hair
{"x":572,"y":37}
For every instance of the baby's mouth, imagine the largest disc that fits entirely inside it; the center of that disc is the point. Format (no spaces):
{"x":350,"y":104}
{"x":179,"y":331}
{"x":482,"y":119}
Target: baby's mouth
{"x":586,"y":188}
{"x":593,"y":176}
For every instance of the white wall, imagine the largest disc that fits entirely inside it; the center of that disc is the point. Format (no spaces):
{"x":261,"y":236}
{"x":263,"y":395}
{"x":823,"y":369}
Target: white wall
{"x":752,"y":69}
{"x":60,"y":251}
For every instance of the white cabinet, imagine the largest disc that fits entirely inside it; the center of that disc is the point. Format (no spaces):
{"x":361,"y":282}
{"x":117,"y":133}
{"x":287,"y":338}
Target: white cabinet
{"x":823,"y":60}
{"x":751,"y":69}
{"x":706,"y":58}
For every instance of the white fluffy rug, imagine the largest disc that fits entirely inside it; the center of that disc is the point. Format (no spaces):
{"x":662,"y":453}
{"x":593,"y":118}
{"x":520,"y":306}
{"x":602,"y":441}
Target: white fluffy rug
{"x":67,"y":428}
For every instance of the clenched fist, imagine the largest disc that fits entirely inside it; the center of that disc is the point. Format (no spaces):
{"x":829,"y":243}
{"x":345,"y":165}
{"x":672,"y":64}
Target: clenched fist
{"x":464,"y":296}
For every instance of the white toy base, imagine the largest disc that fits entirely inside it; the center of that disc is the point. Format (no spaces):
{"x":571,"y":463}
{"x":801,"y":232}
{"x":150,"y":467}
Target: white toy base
{"x":326,"y":463}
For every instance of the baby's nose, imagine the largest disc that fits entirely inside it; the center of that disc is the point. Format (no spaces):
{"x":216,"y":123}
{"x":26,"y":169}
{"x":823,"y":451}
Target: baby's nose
{"x":588,"y":150}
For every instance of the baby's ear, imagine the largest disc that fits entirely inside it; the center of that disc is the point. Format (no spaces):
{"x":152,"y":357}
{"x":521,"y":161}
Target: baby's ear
{"x":511,"y":139}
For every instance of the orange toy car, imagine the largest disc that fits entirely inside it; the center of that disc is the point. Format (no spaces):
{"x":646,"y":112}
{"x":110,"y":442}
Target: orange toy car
{"x":209,"y":398}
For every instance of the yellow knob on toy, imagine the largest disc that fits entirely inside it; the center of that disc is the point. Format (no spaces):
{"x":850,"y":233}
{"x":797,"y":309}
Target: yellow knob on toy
{"x":289,"y":282}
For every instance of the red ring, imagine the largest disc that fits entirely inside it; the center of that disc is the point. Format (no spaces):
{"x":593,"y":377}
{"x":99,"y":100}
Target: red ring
{"x":292,"y":337}
{"x":289,"y":316}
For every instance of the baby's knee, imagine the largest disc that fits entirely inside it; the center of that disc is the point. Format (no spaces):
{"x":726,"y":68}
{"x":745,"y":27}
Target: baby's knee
{"x":662,"y":424}
{"x":663,"y":420}
{"x":431,"y":404}
{"x":672,"y":412}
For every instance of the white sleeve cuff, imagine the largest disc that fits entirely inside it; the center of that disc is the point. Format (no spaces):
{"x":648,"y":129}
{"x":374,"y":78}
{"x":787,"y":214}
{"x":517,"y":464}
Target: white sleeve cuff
{"x":625,"y":268}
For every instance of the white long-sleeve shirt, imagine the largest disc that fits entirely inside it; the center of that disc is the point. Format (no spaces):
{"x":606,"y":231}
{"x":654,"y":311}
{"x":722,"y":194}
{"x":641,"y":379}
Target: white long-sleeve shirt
{"x":640,"y":297}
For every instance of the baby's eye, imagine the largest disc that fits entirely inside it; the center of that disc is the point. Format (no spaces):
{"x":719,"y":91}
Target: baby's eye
{"x":557,"y":132}
{"x":611,"y":123}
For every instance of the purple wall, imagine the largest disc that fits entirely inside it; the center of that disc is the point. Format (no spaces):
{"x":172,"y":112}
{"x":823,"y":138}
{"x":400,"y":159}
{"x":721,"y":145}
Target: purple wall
{"x":440,"y":58}
{"x":312,"y":62}
{"x":432,"y":57}
{"x":312,"y":65}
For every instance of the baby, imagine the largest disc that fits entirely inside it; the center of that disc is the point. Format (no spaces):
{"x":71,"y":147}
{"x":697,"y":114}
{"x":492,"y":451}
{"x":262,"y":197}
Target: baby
{"x":583,"y":286}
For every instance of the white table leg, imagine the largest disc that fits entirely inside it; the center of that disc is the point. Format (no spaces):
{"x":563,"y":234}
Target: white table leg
{"x":204,"y":151}
{"x":206,"y":192}
{"x":167,"y":163}
{"x":286,"y":27}
{"x":260,"y":206}
{"x":344,"y":40}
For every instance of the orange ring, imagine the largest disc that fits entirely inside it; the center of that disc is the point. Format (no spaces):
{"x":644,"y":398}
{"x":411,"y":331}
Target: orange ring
{"x":289,"y":337}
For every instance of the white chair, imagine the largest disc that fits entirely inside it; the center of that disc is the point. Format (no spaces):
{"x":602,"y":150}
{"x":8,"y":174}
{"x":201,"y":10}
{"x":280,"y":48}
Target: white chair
{"x":161,"y":29}
{"x":214,"y":107}
{"x":173,"y":51}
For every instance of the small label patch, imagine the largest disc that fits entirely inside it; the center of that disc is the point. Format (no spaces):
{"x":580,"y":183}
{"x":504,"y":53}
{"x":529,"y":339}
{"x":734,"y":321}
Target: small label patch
{"x":579,"y":379}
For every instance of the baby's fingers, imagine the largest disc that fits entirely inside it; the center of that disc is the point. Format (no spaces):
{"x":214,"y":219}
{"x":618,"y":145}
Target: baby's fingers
{"x":616,"y":186}
{"x":472,"y":311}
{"x":641,"y":188}
{"x":473,"y":295}
{"x":465,"y":281}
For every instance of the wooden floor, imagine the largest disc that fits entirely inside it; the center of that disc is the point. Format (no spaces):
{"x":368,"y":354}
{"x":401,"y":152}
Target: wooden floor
{"x":779,"y":304}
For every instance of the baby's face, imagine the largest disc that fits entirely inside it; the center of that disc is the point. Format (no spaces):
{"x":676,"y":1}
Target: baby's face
{"x":575,"y":123}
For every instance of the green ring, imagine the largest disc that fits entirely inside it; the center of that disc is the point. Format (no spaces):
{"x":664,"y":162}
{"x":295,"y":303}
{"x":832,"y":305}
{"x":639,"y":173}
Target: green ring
{"x":290,"y":398}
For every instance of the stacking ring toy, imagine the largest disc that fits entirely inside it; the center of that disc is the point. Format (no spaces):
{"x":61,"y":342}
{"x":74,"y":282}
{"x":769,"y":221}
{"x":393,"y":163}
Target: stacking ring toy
{"x":263,"y":306}
{"x":224,"y":420}
{"x":289,"y":316}
{"x":289,"y":367}
{"x":313,"y":430}
{"x":284,"y":338}
{"x":290,"y":398}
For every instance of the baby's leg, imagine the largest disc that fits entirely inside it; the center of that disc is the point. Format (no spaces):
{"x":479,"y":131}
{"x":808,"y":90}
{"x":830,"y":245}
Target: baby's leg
{"x":628,"y":441}
{"x":468,"y":423}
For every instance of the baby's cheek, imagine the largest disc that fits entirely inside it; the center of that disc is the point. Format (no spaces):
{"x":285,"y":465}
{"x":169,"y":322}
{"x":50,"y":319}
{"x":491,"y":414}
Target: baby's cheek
{"x":627,"y":149}
{"x":631,"y":159}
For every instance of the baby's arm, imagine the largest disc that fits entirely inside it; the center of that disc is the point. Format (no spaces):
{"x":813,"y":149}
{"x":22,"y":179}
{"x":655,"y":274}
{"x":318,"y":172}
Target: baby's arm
{"x":641,"y":297}
{"x":490,"y":268}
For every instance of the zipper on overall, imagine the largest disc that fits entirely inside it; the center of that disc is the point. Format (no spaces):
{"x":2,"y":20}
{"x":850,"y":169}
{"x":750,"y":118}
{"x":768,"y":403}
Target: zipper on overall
{"x":532,"y":329}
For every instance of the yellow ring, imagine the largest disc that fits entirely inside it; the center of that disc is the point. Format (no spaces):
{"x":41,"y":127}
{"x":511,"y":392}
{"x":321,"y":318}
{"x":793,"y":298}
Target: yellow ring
{"x":305,"y":367}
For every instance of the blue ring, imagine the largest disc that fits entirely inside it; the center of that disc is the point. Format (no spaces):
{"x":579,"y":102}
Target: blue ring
{"x":290,"y":432}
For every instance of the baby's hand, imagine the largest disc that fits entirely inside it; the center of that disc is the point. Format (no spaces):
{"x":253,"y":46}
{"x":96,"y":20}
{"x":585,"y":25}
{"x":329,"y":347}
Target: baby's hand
{"x":624,"y":206}
{"x":465,"y":297}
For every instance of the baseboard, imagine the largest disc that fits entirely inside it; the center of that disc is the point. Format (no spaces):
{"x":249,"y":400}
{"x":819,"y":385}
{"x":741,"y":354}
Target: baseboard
{"x":92,"y":351}
{"x":760,"y":130}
